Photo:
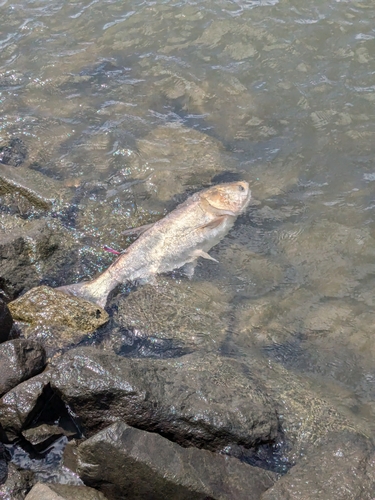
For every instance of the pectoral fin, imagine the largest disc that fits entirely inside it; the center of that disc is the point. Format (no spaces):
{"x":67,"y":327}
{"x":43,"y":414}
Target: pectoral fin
{"x":214,"y":223}
{"x":204,"y":255}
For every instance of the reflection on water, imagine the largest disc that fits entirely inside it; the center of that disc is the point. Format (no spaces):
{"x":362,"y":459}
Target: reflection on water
{"x":132,"y":104}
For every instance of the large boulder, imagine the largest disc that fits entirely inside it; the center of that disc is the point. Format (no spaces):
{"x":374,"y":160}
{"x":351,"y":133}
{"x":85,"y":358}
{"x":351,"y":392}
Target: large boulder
{"x":42,"y":491}
{"x":19,"y":360}
{"x":201,"y":400}
{"x":341,"y":467}
{"x":129,"y":463}
{"x":6,"y":321}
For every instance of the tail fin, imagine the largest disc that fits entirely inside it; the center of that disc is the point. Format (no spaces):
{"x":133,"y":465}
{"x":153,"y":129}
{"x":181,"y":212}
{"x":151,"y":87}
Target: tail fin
{"x":86,"y":290}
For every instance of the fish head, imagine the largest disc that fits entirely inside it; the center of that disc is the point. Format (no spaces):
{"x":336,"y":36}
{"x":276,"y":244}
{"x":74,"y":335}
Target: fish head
{"x":231,"y":198}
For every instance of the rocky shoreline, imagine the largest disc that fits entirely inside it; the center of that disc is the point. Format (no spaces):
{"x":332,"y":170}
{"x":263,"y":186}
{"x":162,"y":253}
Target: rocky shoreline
{"x":145,"y":416}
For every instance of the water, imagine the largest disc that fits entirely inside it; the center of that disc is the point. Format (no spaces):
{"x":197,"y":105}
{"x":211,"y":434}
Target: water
{"x":111,"y":99}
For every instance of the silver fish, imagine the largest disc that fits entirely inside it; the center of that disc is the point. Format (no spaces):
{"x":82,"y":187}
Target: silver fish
{"x":176,"y":241}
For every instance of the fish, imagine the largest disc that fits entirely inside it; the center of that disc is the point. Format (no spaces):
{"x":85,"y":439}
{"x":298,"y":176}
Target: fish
{"x":176,"y":241}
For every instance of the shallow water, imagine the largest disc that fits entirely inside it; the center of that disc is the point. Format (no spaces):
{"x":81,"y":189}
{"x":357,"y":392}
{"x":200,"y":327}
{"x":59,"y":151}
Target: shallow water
{"x":112,"y":98}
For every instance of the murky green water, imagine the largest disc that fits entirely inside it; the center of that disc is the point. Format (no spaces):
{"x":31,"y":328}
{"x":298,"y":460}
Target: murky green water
{"x":112,"y":97}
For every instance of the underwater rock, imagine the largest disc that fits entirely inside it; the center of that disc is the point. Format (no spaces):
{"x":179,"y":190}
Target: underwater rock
{"x":342,"y":467}
{"x":17,"y":484}
{"x":196,"y":400}
{"x":192,"y":313}
{"x":6,"y":321}
{"x":17,"y":405}
{"x":19,"y":360}
{"x":130,"y":463}
{"x":63,"y":492}
{"x":57,"y":319}
{"x":39,"y":191}
{"x":24,"y":251}
{"x":173,"y":157}
{"x":15,"y":153}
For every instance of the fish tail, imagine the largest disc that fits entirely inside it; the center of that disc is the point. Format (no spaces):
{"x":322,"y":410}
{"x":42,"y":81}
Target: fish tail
{"x":87,"y":290}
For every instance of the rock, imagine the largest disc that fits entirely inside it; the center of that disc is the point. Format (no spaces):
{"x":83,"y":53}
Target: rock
{"x":31,"y":251}
{"x":44,"y":435}
{"x":17,"y":406}
{"x":192,"y":313}
{"x":172,"y":157}
{"x":129,"y":463}
{"x":15,"y":153}
{"x":57,"y":319}
{"x":19,"y":360}
{"x":42,"y":491}
{"x":342,"y":467}
{"x":17,"y":484}
{"x":6,"y":321}
{"x":37,"y":189}
{"x":196,"y":400}
{"x":4,"y":459}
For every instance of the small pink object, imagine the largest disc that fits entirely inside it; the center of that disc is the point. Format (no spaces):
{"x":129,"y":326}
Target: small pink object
{"x":111,"y":250}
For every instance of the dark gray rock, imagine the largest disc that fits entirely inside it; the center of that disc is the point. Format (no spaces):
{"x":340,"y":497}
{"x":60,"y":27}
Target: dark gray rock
{"x":15,"y":153}
{"x":17,"y":484}
{"x":43,"y":435}
{"x":19,"y":250}
{"x":42,"y":491}
{"x":20,"y":360}
{"x":4,"y":459}
{"x":342,"y":467}
{"x":124,"y":462}
{"x":6,"y":321}
{"x":17,"y":405}
{"x":201,"y":400}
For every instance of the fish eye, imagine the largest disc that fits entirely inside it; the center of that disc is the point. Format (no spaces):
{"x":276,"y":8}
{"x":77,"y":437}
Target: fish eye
{"x":241,"y":188}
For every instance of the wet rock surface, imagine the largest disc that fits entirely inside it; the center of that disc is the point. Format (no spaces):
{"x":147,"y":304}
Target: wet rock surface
{"x":4,"y":459}
{"x":17,"y":405}
{"x":14,"y":153}
{"x":63,"y":492}
{"x":17,"y":484}
{"x":6,"y":321}
{"x":129,"y":463}
{"x":30,"y":251}
{"x":201,"y":401}
{"x":341,"y":467}
{"x":19,"y":360}
{"x":57,"y":319}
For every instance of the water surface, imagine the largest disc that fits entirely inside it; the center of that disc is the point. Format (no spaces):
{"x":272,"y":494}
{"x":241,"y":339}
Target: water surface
{"x":135,"y":104}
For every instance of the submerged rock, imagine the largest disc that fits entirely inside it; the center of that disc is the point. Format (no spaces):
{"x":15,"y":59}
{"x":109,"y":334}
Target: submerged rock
{"x":63,"y":492}
{"x":39,"y":191}
{"x":57,"y":319}
{"x":6,"y":321}
{"x":19,"y":360}
{"x":129,"y":463}
{"x":30,"y":251}
{"x":197,"y":400}
{"x":341,"y":467}
{"x":15,"y":153}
